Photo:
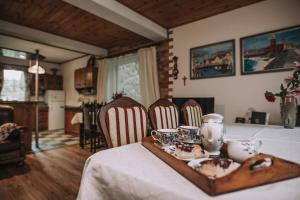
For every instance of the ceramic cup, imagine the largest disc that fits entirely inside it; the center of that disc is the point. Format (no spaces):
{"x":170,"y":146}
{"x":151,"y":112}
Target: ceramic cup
{"x":165,"y":137}
{"x":240,"y":150}
{"x":189,"y":132}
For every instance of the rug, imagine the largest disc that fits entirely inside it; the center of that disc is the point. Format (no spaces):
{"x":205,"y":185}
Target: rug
{"x":54,"y":139}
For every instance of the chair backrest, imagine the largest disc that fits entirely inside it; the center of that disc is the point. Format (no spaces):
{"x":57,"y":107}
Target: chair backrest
{"x":163,"y":114}
{"x":6,"y":114}
{"x":123,"y":121}
{"x":86,"y":117}
{"x":192,"y":113}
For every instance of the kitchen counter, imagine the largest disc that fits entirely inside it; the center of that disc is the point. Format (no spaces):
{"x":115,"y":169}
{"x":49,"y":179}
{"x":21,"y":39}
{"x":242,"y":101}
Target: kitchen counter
{"x":70,"y":112}
{"x":72,"y":107}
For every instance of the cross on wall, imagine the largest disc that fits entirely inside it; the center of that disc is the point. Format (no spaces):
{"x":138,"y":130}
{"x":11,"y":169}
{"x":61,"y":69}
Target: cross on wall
{"x":184,"y":80}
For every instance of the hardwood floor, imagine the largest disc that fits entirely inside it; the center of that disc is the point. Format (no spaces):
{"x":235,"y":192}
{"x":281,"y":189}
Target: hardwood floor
{"x":53,"y":174}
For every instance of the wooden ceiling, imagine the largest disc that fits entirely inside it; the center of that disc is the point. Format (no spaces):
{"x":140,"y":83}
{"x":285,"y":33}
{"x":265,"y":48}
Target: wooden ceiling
{"x":63,"y":19}
{"x":172,"y":13}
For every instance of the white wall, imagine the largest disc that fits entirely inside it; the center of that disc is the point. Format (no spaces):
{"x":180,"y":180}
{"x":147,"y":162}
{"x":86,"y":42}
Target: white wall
{"x":235,"y":94}
{"x":47,"y":66}
{"x":68,"y":70}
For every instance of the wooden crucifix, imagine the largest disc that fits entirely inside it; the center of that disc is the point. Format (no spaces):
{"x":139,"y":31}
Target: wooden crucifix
{"x":184,"y":80}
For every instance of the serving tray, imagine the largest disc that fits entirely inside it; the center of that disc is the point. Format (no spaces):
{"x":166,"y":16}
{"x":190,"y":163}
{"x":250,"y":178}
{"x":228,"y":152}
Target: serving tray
{"x":244,"y":177}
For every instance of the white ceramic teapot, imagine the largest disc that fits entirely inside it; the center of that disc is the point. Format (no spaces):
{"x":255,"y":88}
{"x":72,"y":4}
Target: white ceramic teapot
{"x":212,"y":132}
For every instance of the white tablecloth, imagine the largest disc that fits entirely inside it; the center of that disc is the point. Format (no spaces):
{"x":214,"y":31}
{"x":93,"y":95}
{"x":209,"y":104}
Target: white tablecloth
{"x":77,"y":118}
{"x":133,"y":172}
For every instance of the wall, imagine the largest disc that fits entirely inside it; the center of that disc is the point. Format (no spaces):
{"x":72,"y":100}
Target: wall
{"x":68,"y":70}
{"x":235,"y":94}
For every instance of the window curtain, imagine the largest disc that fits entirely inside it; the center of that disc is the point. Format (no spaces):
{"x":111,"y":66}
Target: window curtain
{"x":102,"y":78}
{"x":27,"y":76}
{"x":148,"y":76}
{"x":1,"y":77}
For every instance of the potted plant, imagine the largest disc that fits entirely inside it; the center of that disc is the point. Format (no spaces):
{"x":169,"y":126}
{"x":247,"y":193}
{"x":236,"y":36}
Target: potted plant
{"x":287,"y":93}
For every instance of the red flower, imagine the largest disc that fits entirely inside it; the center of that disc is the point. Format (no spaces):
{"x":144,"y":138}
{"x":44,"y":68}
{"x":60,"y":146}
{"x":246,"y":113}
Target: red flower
{"x":270,"y":96}
{"x":296,"y":92}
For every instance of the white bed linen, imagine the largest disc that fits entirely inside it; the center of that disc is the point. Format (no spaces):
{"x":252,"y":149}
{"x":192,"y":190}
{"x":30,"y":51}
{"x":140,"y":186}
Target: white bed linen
{"x":133,"y":172}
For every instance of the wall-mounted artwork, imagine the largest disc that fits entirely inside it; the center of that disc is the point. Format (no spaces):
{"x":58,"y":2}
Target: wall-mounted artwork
{"x":213,"y":60}
{"x":270,"y":52}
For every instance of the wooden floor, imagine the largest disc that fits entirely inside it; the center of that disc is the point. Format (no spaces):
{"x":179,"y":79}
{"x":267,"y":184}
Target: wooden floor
{"x":53,"y":174}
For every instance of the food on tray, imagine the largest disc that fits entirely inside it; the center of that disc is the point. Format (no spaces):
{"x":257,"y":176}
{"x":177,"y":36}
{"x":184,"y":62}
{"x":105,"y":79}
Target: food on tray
{"x":189,"y":151}
{"x":216,"y":167}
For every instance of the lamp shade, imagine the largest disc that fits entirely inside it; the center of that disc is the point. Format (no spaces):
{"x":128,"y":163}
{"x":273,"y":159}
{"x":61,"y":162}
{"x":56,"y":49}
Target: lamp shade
{"x":36,"y":69}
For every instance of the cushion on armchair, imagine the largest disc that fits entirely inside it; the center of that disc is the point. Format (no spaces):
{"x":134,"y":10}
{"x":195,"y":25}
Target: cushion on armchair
{"x":6,"y":129}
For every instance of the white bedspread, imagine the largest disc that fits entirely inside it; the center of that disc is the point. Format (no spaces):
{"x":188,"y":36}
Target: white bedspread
{"x":133,"y":172}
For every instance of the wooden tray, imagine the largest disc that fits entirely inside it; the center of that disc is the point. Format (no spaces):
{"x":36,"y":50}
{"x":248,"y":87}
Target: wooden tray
{"x":243,"y":177}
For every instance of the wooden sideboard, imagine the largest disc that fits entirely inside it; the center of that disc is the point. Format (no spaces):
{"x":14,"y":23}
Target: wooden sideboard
{"x":69,"y":114}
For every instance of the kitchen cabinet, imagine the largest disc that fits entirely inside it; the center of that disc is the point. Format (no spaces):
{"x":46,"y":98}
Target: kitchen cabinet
{"x":43,"y":118}
{"x":54,"y":82}
{"x":47,"y":82}
{"x":86,"y":80}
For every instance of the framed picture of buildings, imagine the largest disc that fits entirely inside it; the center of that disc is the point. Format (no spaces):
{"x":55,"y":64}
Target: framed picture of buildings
{"x":271,"y":51}
{"x":213,"y":60}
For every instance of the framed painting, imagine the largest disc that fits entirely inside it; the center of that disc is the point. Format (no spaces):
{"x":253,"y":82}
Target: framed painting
{"x":213,"y":60}
{"x":271,"y":51}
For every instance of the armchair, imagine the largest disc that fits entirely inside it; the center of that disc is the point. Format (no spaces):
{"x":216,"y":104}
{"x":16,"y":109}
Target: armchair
{"x":12,"y":149}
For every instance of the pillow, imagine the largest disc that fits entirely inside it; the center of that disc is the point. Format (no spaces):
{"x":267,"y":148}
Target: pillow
{"x":6,"y":129}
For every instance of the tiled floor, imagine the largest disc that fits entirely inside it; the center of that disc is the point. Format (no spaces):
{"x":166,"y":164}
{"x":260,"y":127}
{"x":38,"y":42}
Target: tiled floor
{"x":54,"y":139}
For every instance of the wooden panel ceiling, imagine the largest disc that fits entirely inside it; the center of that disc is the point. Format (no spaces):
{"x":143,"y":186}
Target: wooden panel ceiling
{"x":172,"y":13}
{"x":63,"y":19}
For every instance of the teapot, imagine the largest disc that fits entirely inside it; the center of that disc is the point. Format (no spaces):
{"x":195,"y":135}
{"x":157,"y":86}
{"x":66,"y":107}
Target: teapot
{"x":212,"y":132}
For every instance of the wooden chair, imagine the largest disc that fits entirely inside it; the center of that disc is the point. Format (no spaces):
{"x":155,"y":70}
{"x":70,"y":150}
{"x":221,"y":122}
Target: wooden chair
{"x":163,"y":114}
{"x":192,"y":113}
{"x":123,"y":121}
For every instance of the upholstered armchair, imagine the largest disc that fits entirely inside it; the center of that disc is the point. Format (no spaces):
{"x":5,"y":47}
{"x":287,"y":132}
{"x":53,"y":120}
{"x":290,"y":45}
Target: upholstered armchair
{"x":12,"y":149}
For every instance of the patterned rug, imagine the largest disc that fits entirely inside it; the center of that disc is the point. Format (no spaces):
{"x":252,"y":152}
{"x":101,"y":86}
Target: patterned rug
{"x":54,"y":139}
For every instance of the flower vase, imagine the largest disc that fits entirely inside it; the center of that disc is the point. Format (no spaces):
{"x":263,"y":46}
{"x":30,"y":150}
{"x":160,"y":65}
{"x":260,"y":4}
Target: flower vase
{"x":288,"y":111}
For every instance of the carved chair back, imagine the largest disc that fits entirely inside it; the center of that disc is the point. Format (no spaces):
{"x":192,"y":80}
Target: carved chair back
{"x":163,"y":114}
{"x":192,"y":113}
{"x":123,"y":121}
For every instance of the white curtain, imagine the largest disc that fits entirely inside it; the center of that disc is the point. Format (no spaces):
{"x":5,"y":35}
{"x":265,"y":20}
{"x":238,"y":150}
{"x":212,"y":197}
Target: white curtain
{"x":148,"y":76}
{"x":102,"y":78}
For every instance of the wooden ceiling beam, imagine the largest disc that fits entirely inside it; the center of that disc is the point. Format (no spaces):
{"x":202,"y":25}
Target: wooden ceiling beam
{"x":121,"y":15}
{"x":49,"y":39}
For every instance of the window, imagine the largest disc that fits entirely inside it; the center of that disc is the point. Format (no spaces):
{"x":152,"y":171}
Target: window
{"x":13,"y":54}
{"x":128,"y":80}
{"x":123,"y":76}
{"x":14,"y":86}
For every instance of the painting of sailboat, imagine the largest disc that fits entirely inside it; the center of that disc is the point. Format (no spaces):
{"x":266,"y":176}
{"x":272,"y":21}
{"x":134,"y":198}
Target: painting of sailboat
{"x":271,"y":51}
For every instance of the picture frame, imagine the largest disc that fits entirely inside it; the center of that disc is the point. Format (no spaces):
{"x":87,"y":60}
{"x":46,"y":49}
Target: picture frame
{"x":213,"y":60}
{"x":272,"y":51}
